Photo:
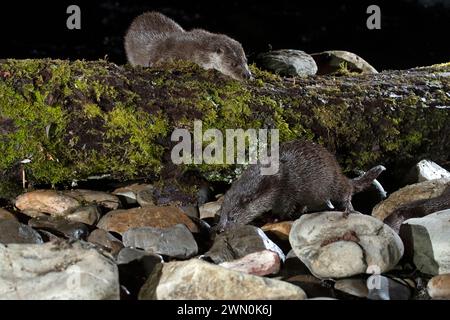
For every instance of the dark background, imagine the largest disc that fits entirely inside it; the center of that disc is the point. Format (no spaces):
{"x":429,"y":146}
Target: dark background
{"x":413,"y":32}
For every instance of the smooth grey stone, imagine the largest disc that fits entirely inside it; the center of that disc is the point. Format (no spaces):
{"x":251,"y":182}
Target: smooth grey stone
{"x":240,"y":241}
{"x":288,"y":62}
{"x":12,"y":231}
{"x":61,"y":226}
{"x":176,"y":242}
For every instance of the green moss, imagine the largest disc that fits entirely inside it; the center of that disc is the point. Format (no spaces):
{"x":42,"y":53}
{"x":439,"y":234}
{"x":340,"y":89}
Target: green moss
{"x":76,"y":119}
{"x":92,"y":110}
{"x":263,"y":76}
{"x":141,"y":130}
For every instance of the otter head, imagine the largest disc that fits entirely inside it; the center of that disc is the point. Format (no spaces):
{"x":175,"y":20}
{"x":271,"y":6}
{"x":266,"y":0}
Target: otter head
{"x":225,"y":55}
{"x":248,"y":198}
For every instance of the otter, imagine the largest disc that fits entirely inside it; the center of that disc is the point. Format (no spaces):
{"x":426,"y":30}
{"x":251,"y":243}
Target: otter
{"x":418,"y":209}
{"x":309,"y":177}
{"x":153,"y":38}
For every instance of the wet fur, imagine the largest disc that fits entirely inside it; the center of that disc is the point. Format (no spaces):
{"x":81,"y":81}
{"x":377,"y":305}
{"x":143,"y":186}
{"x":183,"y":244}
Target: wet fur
{"x":308,"y":177}
{"x":154,"y":38}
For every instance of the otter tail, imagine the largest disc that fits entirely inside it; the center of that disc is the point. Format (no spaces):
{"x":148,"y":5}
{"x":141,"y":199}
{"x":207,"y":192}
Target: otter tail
{"x":365,"y":180}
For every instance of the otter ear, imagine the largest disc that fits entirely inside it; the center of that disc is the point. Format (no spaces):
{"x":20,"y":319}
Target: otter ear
{"x":219,"y":50}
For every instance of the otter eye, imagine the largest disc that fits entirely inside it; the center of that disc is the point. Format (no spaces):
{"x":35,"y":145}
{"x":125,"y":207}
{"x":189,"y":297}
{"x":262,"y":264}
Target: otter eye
{"x":245,"y":200}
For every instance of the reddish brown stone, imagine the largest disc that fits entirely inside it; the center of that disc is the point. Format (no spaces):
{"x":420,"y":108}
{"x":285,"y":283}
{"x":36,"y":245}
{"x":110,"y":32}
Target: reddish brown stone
{"x":157,"y":217}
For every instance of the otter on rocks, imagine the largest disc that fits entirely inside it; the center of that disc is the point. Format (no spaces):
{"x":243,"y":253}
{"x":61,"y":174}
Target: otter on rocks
{"x":309,"y":177}
{"x":153,"y":38}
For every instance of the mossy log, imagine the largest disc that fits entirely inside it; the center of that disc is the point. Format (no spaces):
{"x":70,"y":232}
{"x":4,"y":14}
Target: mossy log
{"x":75,"y":119}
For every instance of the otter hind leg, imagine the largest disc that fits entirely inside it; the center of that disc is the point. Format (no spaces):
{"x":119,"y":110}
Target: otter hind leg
{"x":347,"y":208}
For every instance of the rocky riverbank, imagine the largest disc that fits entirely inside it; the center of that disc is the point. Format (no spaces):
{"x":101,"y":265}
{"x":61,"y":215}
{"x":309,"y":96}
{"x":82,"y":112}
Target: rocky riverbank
{"x":125,"y":244}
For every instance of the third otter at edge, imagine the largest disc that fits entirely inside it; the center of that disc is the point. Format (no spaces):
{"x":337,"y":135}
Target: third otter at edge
{"x":153,"y":38}
{"x":309,"y":176}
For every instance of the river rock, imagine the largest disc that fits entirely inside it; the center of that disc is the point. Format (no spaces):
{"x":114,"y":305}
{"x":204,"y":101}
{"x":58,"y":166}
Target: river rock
{"x":259,"y":263}
{"x":293,"y":266}
{"x":210,"y":209}
{"x":6,"y":215}
{"x":55,"y":271}
{"x":89,"y":215}
{"x":354,"y":287}
{"x":335,"y":247}
{"x":47,"y":236}
{"x":171,"y":193}
{"x":288,"y":62}
{"x":135,"y":266}
{"x":426,"y":170}
{"x":312,"y":286}
{"x":280,"y":229}
{"x":60,"y":226}
{"x":130,"y":193}
{"x":240,"y":241}
{"x":157,"y":217}
{"x":427,"y":239}
{"x":106,"y":240}
{"x":190,"y":210}
{"x":329,"y":62}
{"x":52,"y":202}
{"x":145,"y":198}
{"x":12,"y":231}
{"x":439,"y":287}
{"x":211,"y":282}
{"x":419,"y":191}
{"x":176,"y":242}
{"x":126,"y":255}
{"x":102,"y":199}
{"x":384,"y":288}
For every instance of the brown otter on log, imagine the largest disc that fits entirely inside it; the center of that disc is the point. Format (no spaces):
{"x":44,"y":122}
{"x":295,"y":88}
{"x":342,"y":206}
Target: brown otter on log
{"x":153,"y":38}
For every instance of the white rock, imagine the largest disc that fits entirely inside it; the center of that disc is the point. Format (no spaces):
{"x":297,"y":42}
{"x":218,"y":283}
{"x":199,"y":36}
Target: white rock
{"x":318,"y":240}
{"x":199,"y":280}
{"x":430,"y":240}
{"x":427,"y":170}
{"x":56,"y":271}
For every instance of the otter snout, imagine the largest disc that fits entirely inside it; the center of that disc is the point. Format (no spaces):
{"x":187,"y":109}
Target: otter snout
{"x":241,"y":73}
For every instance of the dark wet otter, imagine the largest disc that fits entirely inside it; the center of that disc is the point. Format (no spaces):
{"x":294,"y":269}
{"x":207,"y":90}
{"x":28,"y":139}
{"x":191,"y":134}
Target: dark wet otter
{"x":418,"y":209}
{"x":309,"y":177}
{"x":153,"y":38}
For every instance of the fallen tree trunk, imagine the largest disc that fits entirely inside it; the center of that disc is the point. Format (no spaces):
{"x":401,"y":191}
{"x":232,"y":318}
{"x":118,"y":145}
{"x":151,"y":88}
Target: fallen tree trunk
{"x":72,"y":120}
